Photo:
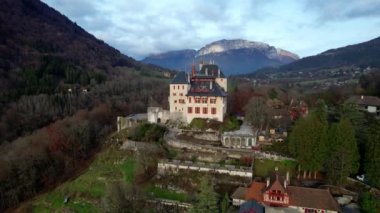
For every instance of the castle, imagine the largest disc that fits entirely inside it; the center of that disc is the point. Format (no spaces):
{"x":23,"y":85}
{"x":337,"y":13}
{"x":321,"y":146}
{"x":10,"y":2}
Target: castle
{"x":201,"y":94}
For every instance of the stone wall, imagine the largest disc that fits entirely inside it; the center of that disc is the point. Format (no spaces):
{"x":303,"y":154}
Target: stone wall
{"x":159,"y":115}
{"x":173,"y":166}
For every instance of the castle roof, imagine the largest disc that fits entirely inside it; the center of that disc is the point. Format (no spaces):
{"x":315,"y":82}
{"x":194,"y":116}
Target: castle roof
{"x":206,"y":88}
{"x":180,"y":78}
{"x":211,"y":70}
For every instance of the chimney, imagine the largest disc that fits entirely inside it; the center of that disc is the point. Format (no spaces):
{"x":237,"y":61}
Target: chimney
{"x":287,"y":177}
{"x":206,"y":71}
{"x":210,"y":85}
{"x":268,"y":181}
{"x":218,"y":73}
{"x":285,"y":183}
{"x":192,"y":70}
{"x":200,"y":65}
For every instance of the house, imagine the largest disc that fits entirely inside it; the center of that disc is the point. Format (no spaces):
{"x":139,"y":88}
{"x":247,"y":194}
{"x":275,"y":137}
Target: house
{"x":245,"y":137}
{"x":277,"y":194}
{"x":201,"y":94}
{"x":369,"y":104}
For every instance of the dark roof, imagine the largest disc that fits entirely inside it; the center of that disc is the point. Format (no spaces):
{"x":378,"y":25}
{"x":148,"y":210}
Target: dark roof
{"x":212,"y":70}
{"x":239,"y":193}
{"x":203,"y":89}
{"x":312,"y":198}
{"x":251,"y":206}
{"x":138,"y":117}
{"x":180,"y":78}
{"x":365,"y":100}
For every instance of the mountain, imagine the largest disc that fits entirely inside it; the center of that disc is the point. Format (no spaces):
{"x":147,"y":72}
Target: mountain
{"x":40,"y":49}
{"x":366,"y":54}
{"x":233,"y":56}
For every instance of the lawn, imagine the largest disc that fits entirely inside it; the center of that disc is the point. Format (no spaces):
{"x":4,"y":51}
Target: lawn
{"x":166,"y":194}
{"x":87,"y":190}
{"x":264,"y":168}
{"x":129,"y":168}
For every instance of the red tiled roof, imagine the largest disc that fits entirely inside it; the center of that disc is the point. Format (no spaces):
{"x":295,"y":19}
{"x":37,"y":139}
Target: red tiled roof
{"x":312,"y":198}
{"x":255,"y":191}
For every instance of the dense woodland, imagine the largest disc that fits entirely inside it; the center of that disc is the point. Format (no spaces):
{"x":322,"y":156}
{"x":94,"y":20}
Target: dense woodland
{"x":60,"y":92}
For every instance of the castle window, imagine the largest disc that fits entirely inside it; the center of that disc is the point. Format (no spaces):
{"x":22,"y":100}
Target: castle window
{"x":189,"y":110}
{"x":178,"y":87}
{"x":175,"y":101}
{"x":197,"y":110}
{"x":204,"y":110}
{"x":174,"y":87}
{"x":212,"y":100}
{"x":197,"y":100}
{"x":189,"y":99}
{"x":213,"y":110}
{"x":183,"y":87}
{"x":180,"y":94}
{"x":204,"y":100}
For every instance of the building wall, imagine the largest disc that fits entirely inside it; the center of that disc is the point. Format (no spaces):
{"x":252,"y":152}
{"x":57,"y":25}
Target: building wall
{"x":177,"y":97}
{"x":371,"y":109}
{"x":222,"y":83}
{"x":220,"y":107}
{"x":238,"y":141}
{"x":303,"y":209}
{"x":179,"y":102}
{"x":157,"y":114}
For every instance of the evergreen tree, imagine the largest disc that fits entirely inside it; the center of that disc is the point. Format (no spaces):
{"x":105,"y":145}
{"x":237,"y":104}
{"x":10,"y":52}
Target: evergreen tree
{"x":206,"y":199}
{"x":308,"y":141}
{"x":225,"y":204}
{"x":372,"y":161}
{"x":343,"y":155}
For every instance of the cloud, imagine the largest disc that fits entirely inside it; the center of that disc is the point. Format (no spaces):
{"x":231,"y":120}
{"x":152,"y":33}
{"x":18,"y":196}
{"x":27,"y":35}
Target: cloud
{"x":342,"y":9}
{"x":141,"y":27}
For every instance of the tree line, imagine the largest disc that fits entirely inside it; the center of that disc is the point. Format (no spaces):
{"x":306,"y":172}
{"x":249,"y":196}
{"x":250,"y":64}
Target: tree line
{"x":340,"y":141}
{"x":46,"y":138}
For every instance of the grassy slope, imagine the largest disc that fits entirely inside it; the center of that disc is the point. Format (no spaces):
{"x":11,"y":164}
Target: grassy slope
{"x":86,"y":191}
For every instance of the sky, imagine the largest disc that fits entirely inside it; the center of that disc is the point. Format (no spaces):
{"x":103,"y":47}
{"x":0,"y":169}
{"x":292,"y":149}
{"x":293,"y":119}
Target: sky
{"x":139,"y":28}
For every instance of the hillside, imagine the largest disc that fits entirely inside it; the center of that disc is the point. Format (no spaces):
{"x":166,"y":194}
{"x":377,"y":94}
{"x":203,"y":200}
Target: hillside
{"x":60,"y":92}
{"x":41,"y":48}
{"x":233,"y":56}
{"x":366,"y":54}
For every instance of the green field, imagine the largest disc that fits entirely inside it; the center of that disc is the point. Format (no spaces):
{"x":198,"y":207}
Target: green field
{"x":86,"y":191}
{"x":264,"y":168}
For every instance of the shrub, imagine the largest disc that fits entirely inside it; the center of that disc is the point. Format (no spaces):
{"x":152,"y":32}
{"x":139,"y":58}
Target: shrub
{"x":148,"y":132}
{"x":198,"y":123}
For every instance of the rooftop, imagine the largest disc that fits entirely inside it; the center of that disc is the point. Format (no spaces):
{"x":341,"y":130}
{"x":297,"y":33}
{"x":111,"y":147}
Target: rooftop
{"x":207,"y":88}
{"x":180,"y":78}
{"x":244,"y":130}
{"x":365,"y":100}
{"x":211,"y":70}
{"x":312,"y":198}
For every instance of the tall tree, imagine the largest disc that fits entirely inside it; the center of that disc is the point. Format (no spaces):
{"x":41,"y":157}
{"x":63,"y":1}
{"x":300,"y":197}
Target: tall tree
{"x":255,"y":112}
{"x":206,"y":199}
{"x":308,"y":140}
{"x":372,"y":161}
{"x":343,"y":154}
